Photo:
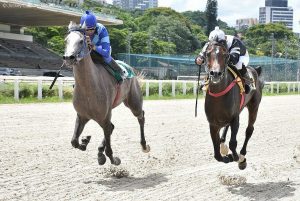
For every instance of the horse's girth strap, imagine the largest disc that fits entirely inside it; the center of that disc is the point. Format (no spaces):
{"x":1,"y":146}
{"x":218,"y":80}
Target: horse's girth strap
{"x":117,"y":95}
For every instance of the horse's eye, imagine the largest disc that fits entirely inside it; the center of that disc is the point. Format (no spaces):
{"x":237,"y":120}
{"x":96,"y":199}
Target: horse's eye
{"x":81,"y":41}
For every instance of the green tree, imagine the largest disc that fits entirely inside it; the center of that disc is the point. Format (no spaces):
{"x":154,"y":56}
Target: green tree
{"x":139,"y":42}
{"x":196,"y":17}
{"x":57,"y":44}
{"x":211,"y":15}
{"x":258,"y":39}
{"x":118,"y":40}
{"x":50,"y":37}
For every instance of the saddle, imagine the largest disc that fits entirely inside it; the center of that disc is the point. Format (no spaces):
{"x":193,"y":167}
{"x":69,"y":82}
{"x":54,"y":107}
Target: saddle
{"x":244,"y":81}
{"x":98,"y":59}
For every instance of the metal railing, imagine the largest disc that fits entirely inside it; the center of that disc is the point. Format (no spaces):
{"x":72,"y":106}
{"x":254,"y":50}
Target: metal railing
{"x":270,"y":87}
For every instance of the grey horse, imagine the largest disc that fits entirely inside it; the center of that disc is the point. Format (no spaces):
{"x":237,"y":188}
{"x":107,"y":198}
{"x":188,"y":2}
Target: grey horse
{"x":96,"y":93}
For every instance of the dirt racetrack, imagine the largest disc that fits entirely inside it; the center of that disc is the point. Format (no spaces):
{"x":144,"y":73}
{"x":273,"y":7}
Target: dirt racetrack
{"x":37,"y":161}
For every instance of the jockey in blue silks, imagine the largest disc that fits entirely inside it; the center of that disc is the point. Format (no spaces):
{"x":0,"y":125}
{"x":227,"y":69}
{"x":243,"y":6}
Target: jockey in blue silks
{"x":98,"y":40}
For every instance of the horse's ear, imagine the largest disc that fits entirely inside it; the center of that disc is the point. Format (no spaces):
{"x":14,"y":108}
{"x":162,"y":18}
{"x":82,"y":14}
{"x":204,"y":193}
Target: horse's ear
{"x":83,"y":26}
{"x":71,"y":25}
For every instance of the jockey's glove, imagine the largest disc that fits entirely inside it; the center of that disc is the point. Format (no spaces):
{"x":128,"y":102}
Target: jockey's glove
{"x":89,"y":42}
{"x":199,"y":60}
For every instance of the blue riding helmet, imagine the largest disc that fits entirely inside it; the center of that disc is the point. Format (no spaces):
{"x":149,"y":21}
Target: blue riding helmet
{"x":89,"y":18}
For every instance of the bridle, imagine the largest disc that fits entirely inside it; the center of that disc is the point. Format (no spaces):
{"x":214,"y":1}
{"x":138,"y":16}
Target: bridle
{"x":84,"y":50}
{"x":217,"y":51}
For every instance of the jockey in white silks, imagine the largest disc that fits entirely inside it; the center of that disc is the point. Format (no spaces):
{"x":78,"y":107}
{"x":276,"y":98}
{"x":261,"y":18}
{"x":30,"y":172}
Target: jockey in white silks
{"x":238,"y":54}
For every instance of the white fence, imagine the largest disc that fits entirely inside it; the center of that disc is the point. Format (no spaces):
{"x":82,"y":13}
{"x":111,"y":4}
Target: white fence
{"x":61,"y":81}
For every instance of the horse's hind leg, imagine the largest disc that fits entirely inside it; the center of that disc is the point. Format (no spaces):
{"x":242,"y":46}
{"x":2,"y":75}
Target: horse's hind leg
{"x":250,"y":128}
{"x":79,"y":126}
{"x":141,"y":119}
{"x":135,"y":104}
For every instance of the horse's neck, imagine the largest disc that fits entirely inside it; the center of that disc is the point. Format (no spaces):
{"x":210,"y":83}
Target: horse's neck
{"x":82,"y":71}
{"x":85,"y":72}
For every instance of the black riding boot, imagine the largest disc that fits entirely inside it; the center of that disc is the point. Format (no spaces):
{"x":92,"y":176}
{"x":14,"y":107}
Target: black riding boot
{"x":113,"y":64}
{"x":247,"y":79}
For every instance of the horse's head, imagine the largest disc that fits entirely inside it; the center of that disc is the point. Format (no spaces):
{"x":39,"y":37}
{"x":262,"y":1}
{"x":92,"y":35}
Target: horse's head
{"x":216,"y":59}
{"x":75,"y":44}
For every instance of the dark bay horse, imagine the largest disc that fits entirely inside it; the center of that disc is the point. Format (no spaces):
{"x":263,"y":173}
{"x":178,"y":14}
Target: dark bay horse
{"x":224,"y":102}
{"x":96,"y":93}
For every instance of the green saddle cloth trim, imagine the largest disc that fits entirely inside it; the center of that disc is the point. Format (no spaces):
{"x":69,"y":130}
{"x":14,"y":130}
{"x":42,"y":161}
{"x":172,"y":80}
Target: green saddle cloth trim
{"x":130,"y":73}
{"x":98,"y":59}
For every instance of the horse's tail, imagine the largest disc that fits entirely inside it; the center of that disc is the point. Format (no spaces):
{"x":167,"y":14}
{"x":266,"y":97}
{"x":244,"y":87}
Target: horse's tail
{"x":260,"y":79}
{"x":140,"y":75}
{"x":258,"y":70}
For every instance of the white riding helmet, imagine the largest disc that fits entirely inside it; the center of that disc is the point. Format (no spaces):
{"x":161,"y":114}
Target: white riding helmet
{"x":216,"y":35}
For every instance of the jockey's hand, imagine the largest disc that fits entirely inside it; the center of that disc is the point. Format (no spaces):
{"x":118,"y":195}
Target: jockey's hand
{"x":89,"y":42}
{"x":199,"y":61}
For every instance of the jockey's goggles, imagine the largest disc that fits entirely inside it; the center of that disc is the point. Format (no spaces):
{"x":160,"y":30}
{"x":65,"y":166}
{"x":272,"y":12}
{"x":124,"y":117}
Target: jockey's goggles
{"x":90,"y":29}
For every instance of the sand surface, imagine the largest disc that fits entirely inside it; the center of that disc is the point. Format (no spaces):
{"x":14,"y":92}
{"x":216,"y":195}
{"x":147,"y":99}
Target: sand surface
{"x":37,"y":161}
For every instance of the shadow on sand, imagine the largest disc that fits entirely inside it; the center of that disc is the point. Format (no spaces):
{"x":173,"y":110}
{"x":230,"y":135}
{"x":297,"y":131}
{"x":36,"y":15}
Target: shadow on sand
{"x":132,"y":183}
{"x":265,"y":191}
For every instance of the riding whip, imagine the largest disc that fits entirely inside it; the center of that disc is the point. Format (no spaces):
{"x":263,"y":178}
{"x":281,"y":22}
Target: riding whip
{"x":56,"y":76}
{"x":196,"y":105}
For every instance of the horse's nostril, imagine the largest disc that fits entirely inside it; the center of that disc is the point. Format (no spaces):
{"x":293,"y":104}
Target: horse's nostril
{"x":219,"y":74}
{"x":211,"y":73}
{"x":72,"y":57}
{"x":64,"y":57}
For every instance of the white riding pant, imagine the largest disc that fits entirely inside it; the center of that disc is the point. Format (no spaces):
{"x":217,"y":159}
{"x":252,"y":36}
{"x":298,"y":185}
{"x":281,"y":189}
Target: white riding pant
{"x":243,"y":60}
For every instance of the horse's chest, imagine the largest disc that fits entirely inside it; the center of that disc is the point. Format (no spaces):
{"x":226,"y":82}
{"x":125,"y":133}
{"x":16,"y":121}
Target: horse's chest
{"x":221,"y":112}
{"x":89,"y":105}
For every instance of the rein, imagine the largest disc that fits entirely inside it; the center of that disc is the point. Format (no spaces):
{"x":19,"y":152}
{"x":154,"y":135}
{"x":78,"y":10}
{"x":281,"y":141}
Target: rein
{"x":198,"y":88}
{"x":56,"y":76}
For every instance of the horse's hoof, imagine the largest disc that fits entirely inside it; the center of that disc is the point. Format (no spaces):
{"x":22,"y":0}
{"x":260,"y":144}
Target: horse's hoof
{"x":75,"y":143}
{"x":226,"y":159}
{"x":147,"y":149}
{"x":85,"y":140}
{"x":117,"y":161}
{"x":82,"y":147}
{"x":242,"y":165}
{"x":224,"y":149}
{"x":101,"y":159}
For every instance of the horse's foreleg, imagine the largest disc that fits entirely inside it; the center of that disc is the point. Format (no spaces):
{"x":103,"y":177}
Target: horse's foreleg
{"x":234,"y":126}
{"x":214,"y":133}
{"x":79,"y":126}
{"x":141,"y":119}
{"x":223,"y":146}
{"x":101,"y":156}
{"x":108,"y":128}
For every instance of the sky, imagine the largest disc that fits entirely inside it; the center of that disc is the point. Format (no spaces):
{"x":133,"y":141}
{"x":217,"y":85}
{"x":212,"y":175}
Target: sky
{"x":230,"y":10}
